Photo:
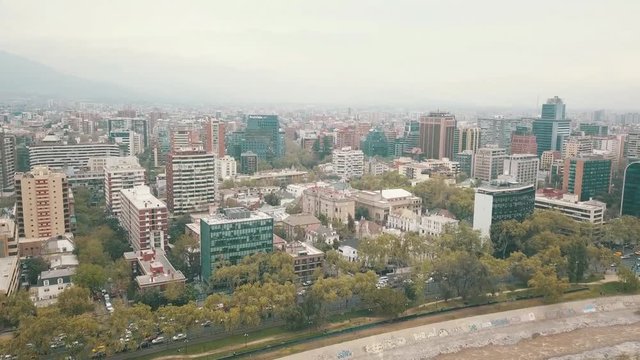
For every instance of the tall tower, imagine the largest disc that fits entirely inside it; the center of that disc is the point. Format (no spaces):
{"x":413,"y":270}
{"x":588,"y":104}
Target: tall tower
{"x":192,"y":182}
{"x":43,"y":206}
{"x":631,"y":191}
{"x":552,"y":127}
{"x":7,"y":163}
{"x":214,"y":131}
{"x":437,"y":134}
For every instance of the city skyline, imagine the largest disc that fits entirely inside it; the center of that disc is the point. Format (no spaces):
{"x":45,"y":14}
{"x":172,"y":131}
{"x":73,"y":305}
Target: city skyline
{"x":455,"y":53}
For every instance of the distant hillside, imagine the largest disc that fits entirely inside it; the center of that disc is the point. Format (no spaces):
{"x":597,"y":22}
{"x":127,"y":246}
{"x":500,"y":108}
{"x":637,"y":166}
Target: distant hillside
{"x":23,"y":77}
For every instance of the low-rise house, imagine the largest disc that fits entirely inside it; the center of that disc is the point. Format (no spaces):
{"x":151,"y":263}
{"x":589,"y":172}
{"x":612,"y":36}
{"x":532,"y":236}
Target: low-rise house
{"x":51,"y":284}
{"x":321,"y":233}
{"x":348,"y":252}
{"x":152,"y":269}
{"x":295,"y":225}
{"x":380,"y":204}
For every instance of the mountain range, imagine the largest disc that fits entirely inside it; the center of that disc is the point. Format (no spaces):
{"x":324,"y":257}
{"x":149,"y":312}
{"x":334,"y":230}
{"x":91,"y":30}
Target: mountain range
{"x":20,"y":76}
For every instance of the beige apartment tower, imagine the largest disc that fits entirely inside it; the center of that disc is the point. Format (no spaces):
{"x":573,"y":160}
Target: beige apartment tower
{"x":43,"y":204}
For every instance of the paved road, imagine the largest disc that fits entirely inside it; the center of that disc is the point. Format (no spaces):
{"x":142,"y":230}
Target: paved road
{"x":508,"y":327}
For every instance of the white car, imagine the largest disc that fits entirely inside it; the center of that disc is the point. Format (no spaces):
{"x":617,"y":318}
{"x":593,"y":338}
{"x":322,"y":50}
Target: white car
{"x":179,"y":336}
{"x":158,"y":340}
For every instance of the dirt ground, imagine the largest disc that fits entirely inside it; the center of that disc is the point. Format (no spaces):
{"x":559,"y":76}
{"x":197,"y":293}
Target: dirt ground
{"x":545,"y":347}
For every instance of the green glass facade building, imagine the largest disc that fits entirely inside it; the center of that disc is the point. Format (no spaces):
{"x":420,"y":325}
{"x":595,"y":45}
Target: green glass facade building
{"x":631,"y":191}
{"x":232,"y":235}
{"x":502,"y":201}
{"x":262,"y":136}
{"x":377,"y":144}
{"x":586,"y":177}
{"x":552,"y":127}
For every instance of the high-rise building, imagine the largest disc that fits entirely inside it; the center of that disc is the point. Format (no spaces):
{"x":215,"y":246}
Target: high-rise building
{"x":469,"y":139}
{"x":554,"y":109}
{"x":501,"y":201}
{"x":376,"y":143}
{"x":497,"y":131}
{"x":524,"y":143}
{"x":552,"y":127}
{"x":232,"y":235}
{"x":227,"y":167}
{"x":60,"y":156}
{"x":523,"y":168}
{"x":411,"y":135}
{"x":145,"y":218}
{"x":437,"y":133}
{"x":594,"y":129}
{"x":631,"y":190}
{"x":547,"y":159}
{"x":131,"y":142}
{"x":465,"y":159}
{"x":139,"y":125}
{"x":7,"y":163}
{"x":347,"y":163}
{"x":185,"y":138}
{"x":8,"y":237}
{"x":632,"y":145}
{"x":586,"y":177}
{"x":192,"y":182}
{"x":574,"y":146}
{"x":489,"y":163}
{"x":248,"y":163}
{"x":346,"y":137}
{"x":43,"y":204}
{"x":120,"y":175}
{"x":214,"y":133}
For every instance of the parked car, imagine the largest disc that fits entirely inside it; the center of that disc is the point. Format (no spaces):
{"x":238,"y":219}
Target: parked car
{"x":179,"y":336}
{"x":206,"y":323}
{"x":158,"y":340}
{"x":307,"y":283}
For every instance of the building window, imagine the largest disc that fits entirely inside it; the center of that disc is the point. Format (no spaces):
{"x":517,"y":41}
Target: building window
{"x":45,"y":283}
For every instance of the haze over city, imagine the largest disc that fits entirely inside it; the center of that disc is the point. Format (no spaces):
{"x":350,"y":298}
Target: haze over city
{"x":427,"y":53}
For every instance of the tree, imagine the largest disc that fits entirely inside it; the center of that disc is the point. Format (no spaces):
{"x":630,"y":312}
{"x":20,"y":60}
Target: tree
{"x":576,"y":260}
{"x":185,"y":256}
{"x":351,"y":224}
{"x":34,"y":266}
{"x":90,"y":276}
{"x":294,"y":208}
{"x":177,"y":227}
{"x":461,"y":273}
{"x":388,"y":301}
{"x":628,"y":279}
{"x":272,"y":199}
{"x":15,"y":307}
{"x":507,"y":237}
{"x":599,"y":258}
{"x":546,"y":282}
{"x":75,"y":300}
{"x":388,"y":180}
{"x":121,"y":275}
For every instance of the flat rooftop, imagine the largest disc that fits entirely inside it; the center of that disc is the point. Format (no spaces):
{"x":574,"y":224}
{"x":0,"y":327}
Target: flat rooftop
{"x":8,"y":267}
{"x":141,"y":197}
{"x":154,"y":266}
{"x":297,"y":248}
{"x":217,"y":219}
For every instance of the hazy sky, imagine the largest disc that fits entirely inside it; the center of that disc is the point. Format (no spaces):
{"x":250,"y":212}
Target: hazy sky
{"x":489,"y":52}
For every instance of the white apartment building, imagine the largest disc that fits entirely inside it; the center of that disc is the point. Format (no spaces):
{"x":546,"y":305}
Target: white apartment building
{"x":523,"y":168}
{"x":489,"y":163}
{"x":51,"y":284}
{"x":120,"y":176}
{"x":347,"y":163}
{"x":69,"y":156}
{"x":145,"y":218}
{"x":133,"y":141}
{"x":226,"y":167}
{"x":591,"y":211}
{"x":432,"y":225}
{"x":633,"y":145}
{"x":348,"y":252}
{"x":192,"y":183}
